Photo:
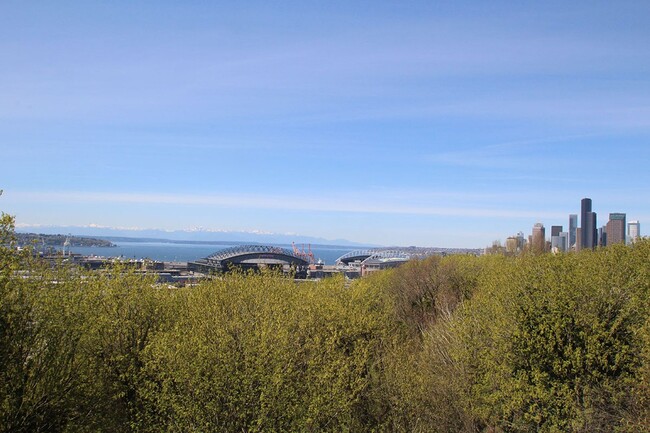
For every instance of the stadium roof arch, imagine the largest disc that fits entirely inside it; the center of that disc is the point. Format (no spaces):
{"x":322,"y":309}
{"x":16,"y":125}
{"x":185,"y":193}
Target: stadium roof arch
{"x":395,"y":254}
{"x":249,"y":256}
{"x":374,"y":254}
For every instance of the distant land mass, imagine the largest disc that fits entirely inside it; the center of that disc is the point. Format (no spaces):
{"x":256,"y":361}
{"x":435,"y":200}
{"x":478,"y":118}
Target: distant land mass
{"x":193,"y":236}
{"x":58,"y":240}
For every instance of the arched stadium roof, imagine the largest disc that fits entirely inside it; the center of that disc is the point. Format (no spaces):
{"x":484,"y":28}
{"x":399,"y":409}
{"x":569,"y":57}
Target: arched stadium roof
{"x":395,"y":254}
{"x":254,"y":254}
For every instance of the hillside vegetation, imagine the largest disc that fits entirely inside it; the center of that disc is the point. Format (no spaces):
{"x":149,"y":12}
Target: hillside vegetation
{"x":39,"y":240}
{"x":549,"y":343}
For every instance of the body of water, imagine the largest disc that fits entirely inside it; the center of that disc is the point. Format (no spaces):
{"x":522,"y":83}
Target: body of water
{"x":179,"y":252}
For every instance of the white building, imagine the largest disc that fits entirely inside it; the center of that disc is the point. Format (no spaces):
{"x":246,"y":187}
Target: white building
{"x":633,"y":231}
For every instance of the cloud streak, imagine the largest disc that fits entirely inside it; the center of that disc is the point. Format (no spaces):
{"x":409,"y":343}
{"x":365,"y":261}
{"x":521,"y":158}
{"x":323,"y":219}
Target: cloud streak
{"x":338,"y":204}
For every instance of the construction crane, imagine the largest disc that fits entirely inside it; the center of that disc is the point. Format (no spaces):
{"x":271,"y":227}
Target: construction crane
{"x":308,"y":255}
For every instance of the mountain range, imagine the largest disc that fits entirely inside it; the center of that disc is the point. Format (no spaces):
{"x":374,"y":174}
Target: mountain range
{"x":194,"y":235}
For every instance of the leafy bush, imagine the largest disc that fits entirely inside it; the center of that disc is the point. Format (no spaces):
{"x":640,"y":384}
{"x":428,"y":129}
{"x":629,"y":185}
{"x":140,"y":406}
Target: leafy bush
{"x":457,"y":344}
{"x":551,"y":343}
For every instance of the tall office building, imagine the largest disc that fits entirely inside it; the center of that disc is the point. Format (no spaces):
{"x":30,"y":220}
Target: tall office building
{"x":564,"y":241}
{"x":633,"y":230}
{"x":521,"y":241}
{"x":585,"y":206}
{"x":515,"y":244}
{"x":589,"y":232}
{"x":559,"y":242}
{"x":602,"y":236}
{"x":538,"y":239}
{"x":615,"y":228}
{"x":573,"y":226}
{"x":555,"y":239}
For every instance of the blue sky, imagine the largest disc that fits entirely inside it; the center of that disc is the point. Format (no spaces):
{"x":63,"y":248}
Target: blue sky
{"x":405,"y":123}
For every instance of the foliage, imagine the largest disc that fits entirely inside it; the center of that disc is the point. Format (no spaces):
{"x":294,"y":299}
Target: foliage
{"x":40,"y":239}
{"x":260,"y":353}
{"x":40,"y":330}
{"x":70,"y":343}
{"x":448,"y":344}
{"x":424,"y":291}
{"x":550,"y":343}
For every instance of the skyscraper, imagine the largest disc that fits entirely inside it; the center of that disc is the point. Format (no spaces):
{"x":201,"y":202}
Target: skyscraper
{"x":633,"y":230}
{"x":555,"y":239}
{"x":585,"y":206}
{"x":602,"y":236}
{"x":564,"y":241}
{"x":616,"y":228}
{"x":589,"y":231}
{"x":555,"y":230}
{"x":521,"y":241}
{"x":559,"y":242}
{"x":538,"y":239}
{"x":573,"y":226}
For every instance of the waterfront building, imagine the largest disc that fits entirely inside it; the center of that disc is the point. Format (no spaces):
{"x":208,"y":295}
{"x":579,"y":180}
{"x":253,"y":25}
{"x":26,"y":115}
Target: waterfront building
{"x":633,"y":231}
{"x":615,"y":228}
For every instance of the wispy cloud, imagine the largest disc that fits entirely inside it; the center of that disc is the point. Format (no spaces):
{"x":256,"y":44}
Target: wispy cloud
{"x":343,"y":203}
{"x":522,"y":154}
{"x":401,"y":62}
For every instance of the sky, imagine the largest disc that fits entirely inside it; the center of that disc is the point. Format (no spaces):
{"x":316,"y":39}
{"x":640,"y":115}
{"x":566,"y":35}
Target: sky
{"x":428,"y":123}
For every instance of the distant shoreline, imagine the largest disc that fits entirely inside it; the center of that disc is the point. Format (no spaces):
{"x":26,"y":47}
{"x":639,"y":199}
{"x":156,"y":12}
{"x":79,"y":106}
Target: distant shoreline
{"x":59,"y":240}
{"x":216,"y":242}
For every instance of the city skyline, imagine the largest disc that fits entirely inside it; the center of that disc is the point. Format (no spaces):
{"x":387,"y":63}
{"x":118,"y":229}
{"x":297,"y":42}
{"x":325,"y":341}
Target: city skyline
{"x":615,"y":230}
{"x":448,"y":124}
